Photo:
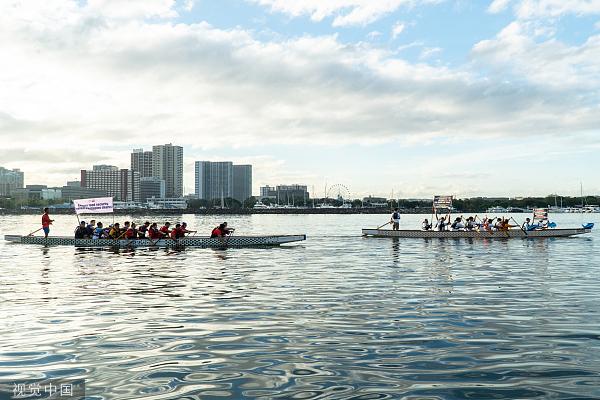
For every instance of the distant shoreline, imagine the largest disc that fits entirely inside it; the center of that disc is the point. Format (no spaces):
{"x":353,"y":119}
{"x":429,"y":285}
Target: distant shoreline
{"x":274,"y":211}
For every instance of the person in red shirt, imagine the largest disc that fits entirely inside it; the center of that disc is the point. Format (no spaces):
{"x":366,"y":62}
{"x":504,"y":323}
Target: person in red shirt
{"x":217,"y":232}
{"x":165,"y":229}
{"x":154,"y":233}
{"x":185,"y":230}
{"x":131,"y":232}
{"x":176,"y":233}
{"x":46,"y":222}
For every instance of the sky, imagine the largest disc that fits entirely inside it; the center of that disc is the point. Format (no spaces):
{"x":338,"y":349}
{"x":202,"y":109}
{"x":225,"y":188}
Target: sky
{"x":410,"y":97}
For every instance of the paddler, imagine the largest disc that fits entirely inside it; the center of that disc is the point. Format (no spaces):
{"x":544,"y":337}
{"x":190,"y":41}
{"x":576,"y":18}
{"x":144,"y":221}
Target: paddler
{"x":46,"y":222}
{"x":184,"y":229}
{"x":165,"y":229}
{"x":395,"y":220}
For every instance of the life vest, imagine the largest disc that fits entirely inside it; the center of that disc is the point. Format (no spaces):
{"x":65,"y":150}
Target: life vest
{"x":396,"y":215}
{"x":130,"y":233}
{"x":216,"y":233}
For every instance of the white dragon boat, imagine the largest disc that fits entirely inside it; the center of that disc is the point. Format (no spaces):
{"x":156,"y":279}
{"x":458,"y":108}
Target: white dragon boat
{"x":477,"y":234}
{"x":190,"y":241}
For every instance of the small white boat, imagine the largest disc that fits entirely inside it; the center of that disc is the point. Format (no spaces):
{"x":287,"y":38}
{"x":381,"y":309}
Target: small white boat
{"x":496,"y":210}
{"x":190,"y":241}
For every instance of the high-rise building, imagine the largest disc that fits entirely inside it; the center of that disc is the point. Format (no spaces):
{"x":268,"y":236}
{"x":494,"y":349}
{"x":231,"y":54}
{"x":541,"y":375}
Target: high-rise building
{"x":167,"y":164}
{"x":120,"y":184}
{"x":141,"y":161}
{"x":214,"y":180}
{"x":222,"y":179}
{"x":10,"y":180}
{"x":151,"y":187}
{"x":242,"y":182}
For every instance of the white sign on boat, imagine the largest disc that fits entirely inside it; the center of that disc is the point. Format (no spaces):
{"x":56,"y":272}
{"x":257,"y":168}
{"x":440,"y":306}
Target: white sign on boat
{"x":99,"y":205}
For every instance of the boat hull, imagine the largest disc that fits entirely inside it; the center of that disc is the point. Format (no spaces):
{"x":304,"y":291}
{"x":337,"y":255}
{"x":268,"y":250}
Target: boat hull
{"x":200,"y":242}
{"x":513,"y":233}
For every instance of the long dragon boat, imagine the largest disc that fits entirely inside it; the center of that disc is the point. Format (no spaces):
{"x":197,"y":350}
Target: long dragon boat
{"x":477,"y":234}
{"x":190,"y":241}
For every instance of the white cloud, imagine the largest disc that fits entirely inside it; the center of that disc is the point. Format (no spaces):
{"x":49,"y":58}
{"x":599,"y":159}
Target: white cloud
{"x":373,"y":35}
{"x":103,"y":83}
{"x":429,"y":52}
{"x":344,"y":12}
{"x":133,"y":8}
{"x":549,"y":64}
{"x":397,"y":29}
{"x":527,"y":9}
{"x":498,"y":6}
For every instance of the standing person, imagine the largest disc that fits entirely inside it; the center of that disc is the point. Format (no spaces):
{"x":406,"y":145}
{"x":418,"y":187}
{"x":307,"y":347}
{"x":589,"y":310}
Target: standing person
{"x":395,"y":220}
{"x":46,"y":222}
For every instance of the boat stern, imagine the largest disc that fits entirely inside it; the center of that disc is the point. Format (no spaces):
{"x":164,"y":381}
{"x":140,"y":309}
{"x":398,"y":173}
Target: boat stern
{"x":13,"y":238}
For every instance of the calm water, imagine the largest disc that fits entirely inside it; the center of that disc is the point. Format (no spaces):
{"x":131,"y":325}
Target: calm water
{"x":336,"y":317}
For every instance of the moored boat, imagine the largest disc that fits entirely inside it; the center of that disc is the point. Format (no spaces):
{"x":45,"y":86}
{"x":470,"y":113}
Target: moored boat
{"x":190,"y":241}
{"x":480,"y":234}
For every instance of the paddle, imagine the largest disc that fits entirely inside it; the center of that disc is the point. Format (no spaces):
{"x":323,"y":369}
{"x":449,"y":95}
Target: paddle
{"x":521,"y":226}
{"x":230,"y":235}
{"x":387,"y":223}
{"x":31,"y":234}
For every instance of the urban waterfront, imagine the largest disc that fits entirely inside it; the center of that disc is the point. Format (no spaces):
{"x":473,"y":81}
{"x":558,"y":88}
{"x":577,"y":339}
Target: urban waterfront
{"x":338,"y":316}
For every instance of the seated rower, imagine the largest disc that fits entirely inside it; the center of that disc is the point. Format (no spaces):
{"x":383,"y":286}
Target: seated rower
{"x":143,"y":230}
{"x":527,"y":226}
{"x":131,"y":232}
{"x":228,"y":231}
{"x":176,"y":233}
{"x":98,"y":231}
{"x":457,"y":225}
{"x":184,"y":229}
{"x":221,"y":231}
{"x":115,"y":231}
{"x":165,"y":229}
{"x":81,"y":231}
{"x":217,"y":232}
{"x":91,"y":227}
{"x":498,"y":224}
{"x":124,"y":229}
{"x":426,"y":226}
{"x":470,"y":226}
{"x":154,"y":233}
{"x":441,"y":223}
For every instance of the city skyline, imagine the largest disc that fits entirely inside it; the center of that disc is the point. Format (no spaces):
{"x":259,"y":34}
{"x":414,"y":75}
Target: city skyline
{"x":419,"y":97}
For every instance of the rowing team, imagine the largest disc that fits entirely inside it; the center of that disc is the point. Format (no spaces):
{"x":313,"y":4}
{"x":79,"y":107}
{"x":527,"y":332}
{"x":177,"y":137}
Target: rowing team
{"x":147,"y":230}
{"x":488,"y":224}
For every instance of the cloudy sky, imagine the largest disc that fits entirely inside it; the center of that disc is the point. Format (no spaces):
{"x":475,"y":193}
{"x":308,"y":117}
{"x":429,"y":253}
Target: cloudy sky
{"x":419,"y":97}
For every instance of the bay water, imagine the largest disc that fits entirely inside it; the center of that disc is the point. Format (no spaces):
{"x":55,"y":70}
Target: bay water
{"x":339,"y":316}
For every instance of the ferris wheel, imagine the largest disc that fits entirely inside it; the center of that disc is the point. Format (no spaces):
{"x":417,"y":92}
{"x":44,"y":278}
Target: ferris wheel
{"x":339,"y":192}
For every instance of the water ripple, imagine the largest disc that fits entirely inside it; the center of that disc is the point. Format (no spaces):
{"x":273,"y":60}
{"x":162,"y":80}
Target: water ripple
{"x":337,"y":317}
